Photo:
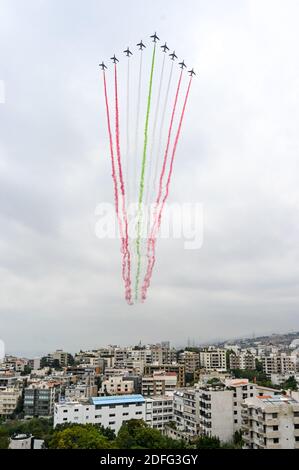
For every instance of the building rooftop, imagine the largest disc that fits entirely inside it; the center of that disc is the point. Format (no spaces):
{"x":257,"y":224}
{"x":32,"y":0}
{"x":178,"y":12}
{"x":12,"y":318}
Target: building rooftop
{"x":276,"y":399}
{"x":117,"y":400}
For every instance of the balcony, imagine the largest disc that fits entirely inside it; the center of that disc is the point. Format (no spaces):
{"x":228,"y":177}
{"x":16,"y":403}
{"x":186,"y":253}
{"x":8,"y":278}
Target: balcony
{"x":270,"y":434}
{"x":273,"y":446}
{"x":272,"y":422}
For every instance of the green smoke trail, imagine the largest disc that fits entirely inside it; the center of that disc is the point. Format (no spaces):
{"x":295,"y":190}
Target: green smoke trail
{"x":141,"y":186}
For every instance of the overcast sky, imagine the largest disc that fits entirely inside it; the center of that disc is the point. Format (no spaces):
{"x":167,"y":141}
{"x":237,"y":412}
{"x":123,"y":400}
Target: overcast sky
{"x":60,"y":285}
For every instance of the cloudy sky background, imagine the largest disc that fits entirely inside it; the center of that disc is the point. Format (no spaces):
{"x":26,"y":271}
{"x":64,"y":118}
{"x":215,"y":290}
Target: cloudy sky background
{"x":60,"y":285}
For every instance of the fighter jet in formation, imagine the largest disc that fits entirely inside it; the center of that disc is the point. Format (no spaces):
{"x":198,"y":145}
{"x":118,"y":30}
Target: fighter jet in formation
{"x":182,"y":65}
{"x":114,"y":59}
{"x":128,"y":52}
{"x":165,"y":48}
{"x":173,"y":56}
{"x":102,"y":65}
{"x":191,"y":72}
{"x":155,"y":37}
{"x":141,"y":45}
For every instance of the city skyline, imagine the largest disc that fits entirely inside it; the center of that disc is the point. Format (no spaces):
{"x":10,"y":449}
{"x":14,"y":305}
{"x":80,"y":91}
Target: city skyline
{"x":60,"y":284}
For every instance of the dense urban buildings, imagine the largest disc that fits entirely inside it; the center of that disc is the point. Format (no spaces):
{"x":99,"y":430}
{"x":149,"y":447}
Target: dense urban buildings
{"x":215,"y":391}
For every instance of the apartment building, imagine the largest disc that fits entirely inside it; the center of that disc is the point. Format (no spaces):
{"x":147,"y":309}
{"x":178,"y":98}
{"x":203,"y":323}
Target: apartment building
{"x":109,"y":412}
{"x":34,"y":363}
{"x":190,"y":360}
{"x":178,"y":369}
{"x":271,"y":422}
{"x":117,"y":385}
{"x":39,"y":399}
{"x":8,"y":400}
{"x":160,"y":383}
{"x":159,"y":411}
{"x":278,"y":363}
{"x":163,"y":354}
{"x":213,"y":359}
{"x":244,"y":360}
{"x":216,"y":411}
{"x":64,"y":358}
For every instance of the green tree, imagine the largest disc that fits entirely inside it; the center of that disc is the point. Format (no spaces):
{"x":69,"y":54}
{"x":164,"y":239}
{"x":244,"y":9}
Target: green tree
{"x":4,"y":438}
{"x":238,"y":439}
{"x":290,"y":384}
{"x":78,"y":436}
{"x":27,"y":371}
{"x":135,"y":434}
{"x":206,"y":442}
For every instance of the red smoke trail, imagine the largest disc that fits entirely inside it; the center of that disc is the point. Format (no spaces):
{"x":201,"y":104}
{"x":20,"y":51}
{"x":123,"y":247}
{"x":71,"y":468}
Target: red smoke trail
{"x":152,"y":239}
{"x":125,"y":238}
{"x":111,"y":145}
{"x":167,"y":146}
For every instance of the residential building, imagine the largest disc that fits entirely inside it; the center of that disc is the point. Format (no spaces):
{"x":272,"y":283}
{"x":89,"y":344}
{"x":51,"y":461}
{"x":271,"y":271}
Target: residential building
{"x":109,"y":412}
{"x":163,"y":354}
{"x":244,"y":360}
{"x":117,"y":385}
{"x":213,"y":359}
{"x":278,"y":363}
{"x":34,"y":363}
{"x":179,"y":370}
{"x":216,"y":413}
{"x":159,"y":411}
{"x":64,"y":358}
{"x":271,"y":422}
{"x":159,"y":383}
{"x":190,"y":360}
{"x":8,"y":400}
{"x":39,"y":399}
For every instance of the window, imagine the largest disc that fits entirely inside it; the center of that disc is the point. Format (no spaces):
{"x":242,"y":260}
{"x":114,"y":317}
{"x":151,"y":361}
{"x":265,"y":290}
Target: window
{"x":125,"y":414}
{"x":64,"y":419}
{"x":296,"y":426}
{"x":111,"y":423}
{"x":111,"y":406}
{"x":138,"y":412}
{"x":275,"y":428}
{"x":276,"y":440}
{"x":112,"y":415}
{"x":236,"y":421}
{"x":76,"y":410}
{"x":297,"y":438}
{"x":235,"y":403}
{"x":235,"y":412}
{"x":65,"y":411}
{"x":274,"y":415}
